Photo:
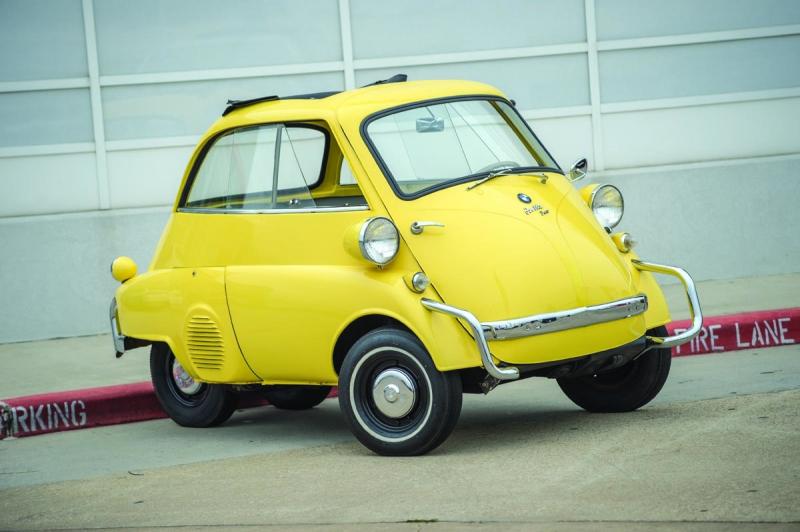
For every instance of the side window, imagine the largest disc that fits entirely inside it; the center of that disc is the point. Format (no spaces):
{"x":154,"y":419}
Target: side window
{"x":346,"y":174}
{"x":260,"y":167}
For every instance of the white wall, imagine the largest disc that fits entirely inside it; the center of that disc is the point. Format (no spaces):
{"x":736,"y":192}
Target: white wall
{"x":692,"y":106}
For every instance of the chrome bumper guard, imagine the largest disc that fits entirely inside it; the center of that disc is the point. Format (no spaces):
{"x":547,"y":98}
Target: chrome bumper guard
{"x":119,"y":339}
{"x":691,"y":296}
{"x":563,"y":320}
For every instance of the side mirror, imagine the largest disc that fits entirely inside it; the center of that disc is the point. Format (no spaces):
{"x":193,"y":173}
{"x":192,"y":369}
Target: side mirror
{"x":430,"y":124}
{"x":578,"y":170}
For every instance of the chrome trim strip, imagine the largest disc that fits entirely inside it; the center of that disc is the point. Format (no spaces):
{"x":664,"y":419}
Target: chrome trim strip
{"x":504,"y":374}
{"x":119,"y":339}
{"x":208,"y":210}
{"x":691,"y":296}
{"x":564,"y":319}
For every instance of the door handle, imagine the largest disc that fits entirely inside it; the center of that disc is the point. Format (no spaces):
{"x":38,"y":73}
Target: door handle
{"x":418,"y":227}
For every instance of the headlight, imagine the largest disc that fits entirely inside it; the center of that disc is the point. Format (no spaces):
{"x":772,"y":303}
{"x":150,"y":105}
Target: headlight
{"x":607,"y":205}
{"x":379,"y":240}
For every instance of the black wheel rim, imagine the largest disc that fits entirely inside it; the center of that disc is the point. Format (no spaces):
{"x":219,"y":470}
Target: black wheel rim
{"x":189,"y":400}
{"x":384,"y":426}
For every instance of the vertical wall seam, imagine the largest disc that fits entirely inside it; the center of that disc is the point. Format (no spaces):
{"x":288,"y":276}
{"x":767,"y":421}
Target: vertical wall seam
{"x":347,"y":44}
{"x":103,"y":193}
{"x":594,"y":85}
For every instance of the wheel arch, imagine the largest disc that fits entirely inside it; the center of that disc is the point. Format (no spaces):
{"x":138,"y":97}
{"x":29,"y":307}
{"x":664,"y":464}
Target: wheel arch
{"x":358,"y":328}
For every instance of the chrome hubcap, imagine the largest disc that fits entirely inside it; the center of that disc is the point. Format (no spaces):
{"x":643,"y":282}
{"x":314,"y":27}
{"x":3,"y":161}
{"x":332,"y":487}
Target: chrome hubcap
{"x":394,"y":393}
{"x":185,"y":383}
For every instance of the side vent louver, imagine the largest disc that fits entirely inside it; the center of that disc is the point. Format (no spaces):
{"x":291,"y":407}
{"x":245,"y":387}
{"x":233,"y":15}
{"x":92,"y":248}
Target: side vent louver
{"x":204,"y":343}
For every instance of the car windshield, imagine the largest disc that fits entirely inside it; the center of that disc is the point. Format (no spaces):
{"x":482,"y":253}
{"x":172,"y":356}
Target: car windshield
{"x":430,"y":147}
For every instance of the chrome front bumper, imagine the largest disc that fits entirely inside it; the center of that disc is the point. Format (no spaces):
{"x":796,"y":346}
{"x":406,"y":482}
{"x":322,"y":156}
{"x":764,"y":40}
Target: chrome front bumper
{"x":483,"y":332}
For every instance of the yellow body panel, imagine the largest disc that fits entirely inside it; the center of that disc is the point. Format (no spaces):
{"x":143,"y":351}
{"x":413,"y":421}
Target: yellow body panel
{"x":161,"y":306}
{"x":281,"y":288}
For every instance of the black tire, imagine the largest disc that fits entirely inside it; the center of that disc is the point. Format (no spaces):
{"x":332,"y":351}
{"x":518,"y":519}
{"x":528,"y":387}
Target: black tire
{"x":433,"y":401}
{"x":295,"y":397}
{"x":208,"y":405}
{"x":623,"y":389}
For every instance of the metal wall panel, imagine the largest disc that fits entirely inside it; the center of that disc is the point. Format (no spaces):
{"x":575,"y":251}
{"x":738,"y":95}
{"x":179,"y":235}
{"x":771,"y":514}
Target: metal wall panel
{"x":148,"y":36}
{"x":141,"y":178}
{"x":567,"y":139}
{"x":189,"y":108}
{"x":533,"y":82}
{"x":45,"y":117}
{"x":47,"y":184}
{"x":41,"y":39}
{"x":415,"y":27}
{"x":699,"y":133}
{"x":627,"y":19}
{"x":699,"y":69}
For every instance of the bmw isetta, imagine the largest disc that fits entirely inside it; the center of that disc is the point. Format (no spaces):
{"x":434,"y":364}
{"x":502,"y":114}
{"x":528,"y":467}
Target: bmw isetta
{"x":407,"y":242}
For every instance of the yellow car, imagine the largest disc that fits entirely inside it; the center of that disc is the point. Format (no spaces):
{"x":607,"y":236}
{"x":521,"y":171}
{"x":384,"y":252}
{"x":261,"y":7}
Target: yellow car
{"x":407,"y":242}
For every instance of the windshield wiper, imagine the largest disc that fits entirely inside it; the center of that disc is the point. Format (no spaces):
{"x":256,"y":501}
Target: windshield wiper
{"x":505,"y":171}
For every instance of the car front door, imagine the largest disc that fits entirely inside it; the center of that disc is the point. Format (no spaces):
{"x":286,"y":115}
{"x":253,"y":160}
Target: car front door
{"x":285,"y":216}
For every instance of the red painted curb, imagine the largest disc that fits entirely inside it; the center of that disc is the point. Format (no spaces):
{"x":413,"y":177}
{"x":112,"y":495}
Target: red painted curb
{"x":94,"y":407}
{"x":748,"y":330}
{"x":126,"y":403}
{"x":80,"y":409}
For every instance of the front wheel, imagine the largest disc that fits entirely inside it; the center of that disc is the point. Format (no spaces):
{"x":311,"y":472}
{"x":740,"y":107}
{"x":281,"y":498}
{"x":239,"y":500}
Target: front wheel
{"x":394,"y":399}
{"x":623,"y":389}
{"x":186,"y":401}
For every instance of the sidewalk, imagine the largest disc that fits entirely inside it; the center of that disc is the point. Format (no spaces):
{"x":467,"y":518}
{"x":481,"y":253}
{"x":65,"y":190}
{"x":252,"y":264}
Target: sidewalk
{"x":74,"y":363}
{"x":731,"y":296}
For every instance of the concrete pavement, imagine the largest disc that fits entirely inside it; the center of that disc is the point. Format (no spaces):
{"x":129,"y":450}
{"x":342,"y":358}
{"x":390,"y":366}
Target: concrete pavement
{"x":139,"y":446}
{"x":522,"y":458}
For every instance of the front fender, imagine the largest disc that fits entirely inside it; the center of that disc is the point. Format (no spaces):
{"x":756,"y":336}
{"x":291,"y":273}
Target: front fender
{"x":288,"y":318}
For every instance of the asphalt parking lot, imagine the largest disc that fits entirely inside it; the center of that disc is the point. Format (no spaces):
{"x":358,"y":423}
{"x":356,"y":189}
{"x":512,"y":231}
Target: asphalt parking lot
{"x":718,"y":449}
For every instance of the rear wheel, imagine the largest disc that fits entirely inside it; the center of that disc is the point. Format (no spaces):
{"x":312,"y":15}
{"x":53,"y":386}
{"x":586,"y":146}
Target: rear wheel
{"x":625,"y":388}
{"x":394,"y":399}
{"x":186,"y":401}
{"x":295,"y":397}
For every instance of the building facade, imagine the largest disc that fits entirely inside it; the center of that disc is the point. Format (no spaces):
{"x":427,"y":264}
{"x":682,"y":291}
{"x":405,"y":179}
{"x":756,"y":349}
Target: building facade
{"x":691,"y":107}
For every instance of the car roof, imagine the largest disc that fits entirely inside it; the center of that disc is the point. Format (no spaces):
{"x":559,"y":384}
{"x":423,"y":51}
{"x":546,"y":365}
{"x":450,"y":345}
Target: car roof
{"x":376,"y":97}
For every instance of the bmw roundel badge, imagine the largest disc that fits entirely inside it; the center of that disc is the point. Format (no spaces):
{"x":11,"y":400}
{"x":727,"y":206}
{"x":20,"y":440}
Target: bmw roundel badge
{"x":524,"y":198}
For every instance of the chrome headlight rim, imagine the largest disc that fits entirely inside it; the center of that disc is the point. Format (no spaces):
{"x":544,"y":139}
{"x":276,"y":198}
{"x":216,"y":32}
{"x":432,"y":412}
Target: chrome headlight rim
{"x":362,"y":240}
{"x":593,"y":197}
